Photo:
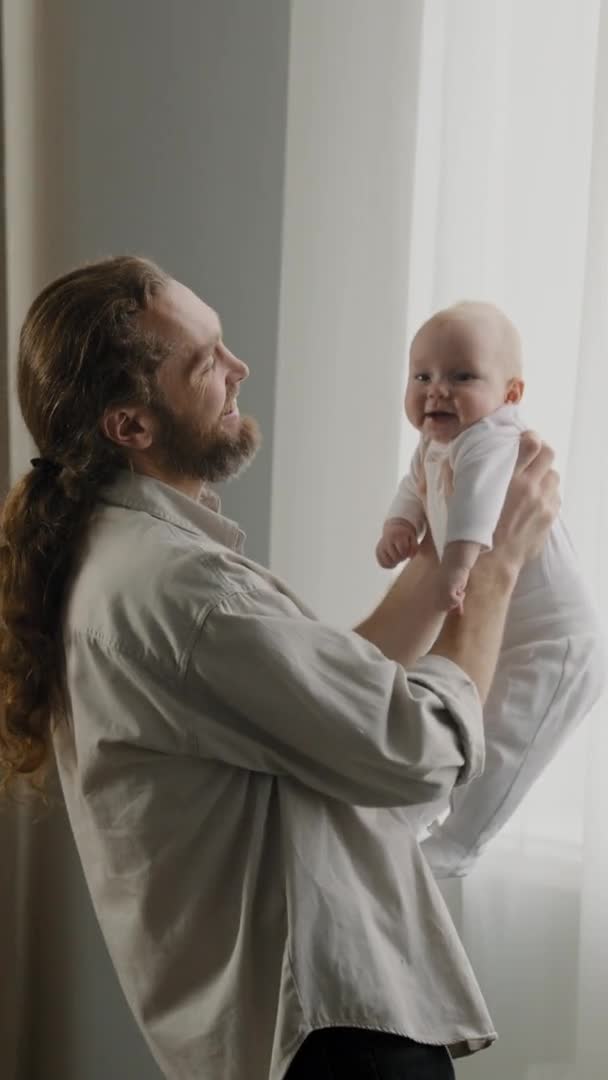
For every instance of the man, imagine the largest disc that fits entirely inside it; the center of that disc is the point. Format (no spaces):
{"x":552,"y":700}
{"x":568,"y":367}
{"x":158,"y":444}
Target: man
{"x":241,"y":779}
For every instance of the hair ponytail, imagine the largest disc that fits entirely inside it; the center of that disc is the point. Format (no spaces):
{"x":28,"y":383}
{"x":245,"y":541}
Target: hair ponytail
{"x":81,"y":349}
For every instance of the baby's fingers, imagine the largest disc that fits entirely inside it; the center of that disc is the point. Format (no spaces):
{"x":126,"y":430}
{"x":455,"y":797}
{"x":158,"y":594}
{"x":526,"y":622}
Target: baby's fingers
{"x":410,"y":547}
{"x":395,"y":551}
{"x":457,"y":596}
{"x":384,"y":557}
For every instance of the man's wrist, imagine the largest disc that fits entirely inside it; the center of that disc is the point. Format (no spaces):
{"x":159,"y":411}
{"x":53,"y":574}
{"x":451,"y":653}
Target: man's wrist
{"x":472,"y":639}
{"x":496,"y":569}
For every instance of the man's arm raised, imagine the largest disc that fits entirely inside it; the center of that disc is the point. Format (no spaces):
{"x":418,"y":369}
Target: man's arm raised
{"x":406,"y":621}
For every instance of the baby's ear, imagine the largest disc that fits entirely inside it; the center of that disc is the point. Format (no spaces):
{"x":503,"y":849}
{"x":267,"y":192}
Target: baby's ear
{"x":515,"y":391}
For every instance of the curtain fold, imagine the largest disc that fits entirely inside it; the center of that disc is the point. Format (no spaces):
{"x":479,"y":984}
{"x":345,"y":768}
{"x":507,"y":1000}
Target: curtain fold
{"x":14,"y":835}
{"x":519,"y":217}
{"x":588,"y":505}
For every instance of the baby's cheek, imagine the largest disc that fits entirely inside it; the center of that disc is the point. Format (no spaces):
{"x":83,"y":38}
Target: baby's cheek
{"x":481,"y":404}
{"x":411,"y":408}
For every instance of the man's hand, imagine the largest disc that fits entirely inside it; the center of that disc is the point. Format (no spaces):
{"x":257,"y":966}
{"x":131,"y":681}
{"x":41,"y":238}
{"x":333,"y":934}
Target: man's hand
{"x":398,"y":542}
{"x":531,"y":504}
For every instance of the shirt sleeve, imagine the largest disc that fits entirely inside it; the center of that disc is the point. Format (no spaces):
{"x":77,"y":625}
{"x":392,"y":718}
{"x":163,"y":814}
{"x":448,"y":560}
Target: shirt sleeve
{"x":482,"y":462}
{"x":282,"y":693}
{"x":407,"y":502}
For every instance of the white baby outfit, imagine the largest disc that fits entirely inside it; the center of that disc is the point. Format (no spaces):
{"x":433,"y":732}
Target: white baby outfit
{"x":551,"y":666}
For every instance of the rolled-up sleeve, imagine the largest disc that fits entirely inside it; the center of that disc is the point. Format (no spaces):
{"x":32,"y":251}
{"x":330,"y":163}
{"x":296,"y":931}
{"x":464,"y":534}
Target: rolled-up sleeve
{"x":270,"y":689}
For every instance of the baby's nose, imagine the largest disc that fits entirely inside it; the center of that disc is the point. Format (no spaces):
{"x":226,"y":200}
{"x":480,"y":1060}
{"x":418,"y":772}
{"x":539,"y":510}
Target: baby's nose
{"x":439,"y":389}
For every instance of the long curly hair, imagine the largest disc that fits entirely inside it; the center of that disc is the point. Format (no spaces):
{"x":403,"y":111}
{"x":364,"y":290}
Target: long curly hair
{"x":82,"y":349}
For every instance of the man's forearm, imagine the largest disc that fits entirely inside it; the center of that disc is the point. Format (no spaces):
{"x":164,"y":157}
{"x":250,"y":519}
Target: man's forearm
{"x":472,"y":640}
{"x":406,"y":622}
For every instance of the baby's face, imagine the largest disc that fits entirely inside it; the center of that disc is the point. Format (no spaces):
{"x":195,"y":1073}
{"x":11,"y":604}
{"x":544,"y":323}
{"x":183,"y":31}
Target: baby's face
{"x":456,"y":378}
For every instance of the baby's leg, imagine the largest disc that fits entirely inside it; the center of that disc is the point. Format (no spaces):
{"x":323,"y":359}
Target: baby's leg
{"x":540,"y":694}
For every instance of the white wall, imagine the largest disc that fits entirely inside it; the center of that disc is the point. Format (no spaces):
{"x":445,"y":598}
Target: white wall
{"x":344,"y":286}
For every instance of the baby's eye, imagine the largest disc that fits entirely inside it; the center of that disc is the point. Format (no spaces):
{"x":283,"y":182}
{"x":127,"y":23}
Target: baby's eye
{"x":463,"y":376}
{"x":421,"y":377}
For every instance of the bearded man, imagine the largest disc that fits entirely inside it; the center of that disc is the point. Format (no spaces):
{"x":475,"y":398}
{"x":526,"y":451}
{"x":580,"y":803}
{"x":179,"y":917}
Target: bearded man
{"x":243,"y":781}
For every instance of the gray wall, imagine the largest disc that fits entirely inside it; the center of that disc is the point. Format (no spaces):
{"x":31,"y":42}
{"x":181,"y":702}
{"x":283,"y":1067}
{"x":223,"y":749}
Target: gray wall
{"x":159,"y":128}
{"x":165,"y":127}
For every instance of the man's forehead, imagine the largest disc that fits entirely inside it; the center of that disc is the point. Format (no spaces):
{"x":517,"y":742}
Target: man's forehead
{"x":180,"y":315}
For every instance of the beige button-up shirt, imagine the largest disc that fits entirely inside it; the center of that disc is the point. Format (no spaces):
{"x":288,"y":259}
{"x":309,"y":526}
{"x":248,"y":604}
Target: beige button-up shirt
{"x":242,"y":782}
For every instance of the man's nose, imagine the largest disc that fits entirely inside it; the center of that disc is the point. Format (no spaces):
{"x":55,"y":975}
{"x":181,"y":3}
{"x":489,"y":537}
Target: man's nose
{"x":237,"y":369}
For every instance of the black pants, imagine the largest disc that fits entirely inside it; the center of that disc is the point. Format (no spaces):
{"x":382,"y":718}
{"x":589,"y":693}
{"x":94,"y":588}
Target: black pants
{"x":354,"y":1054}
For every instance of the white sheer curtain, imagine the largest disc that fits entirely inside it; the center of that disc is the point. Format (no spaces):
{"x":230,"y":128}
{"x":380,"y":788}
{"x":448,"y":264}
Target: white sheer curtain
{"x":505,"y":175}
{"x":513,"y":127}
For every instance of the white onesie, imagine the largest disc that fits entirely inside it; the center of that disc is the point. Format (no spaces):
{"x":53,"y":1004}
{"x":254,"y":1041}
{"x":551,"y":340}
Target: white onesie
{"x":550,"y":670}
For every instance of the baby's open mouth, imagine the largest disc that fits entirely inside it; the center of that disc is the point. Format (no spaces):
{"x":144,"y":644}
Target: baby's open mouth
{"x":439,"y":414}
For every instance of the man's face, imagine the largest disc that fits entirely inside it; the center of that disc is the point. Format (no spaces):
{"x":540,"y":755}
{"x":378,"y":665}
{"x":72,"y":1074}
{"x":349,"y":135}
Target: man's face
{"x":199,"y":432}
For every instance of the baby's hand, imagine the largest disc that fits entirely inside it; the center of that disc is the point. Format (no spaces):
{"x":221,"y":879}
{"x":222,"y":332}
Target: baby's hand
{"x":398,"y":542}
{"x":452,"y":585}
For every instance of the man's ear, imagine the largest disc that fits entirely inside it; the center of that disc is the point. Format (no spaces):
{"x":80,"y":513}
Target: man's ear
{"x":129,"y":426}
{"x":515,"y":391}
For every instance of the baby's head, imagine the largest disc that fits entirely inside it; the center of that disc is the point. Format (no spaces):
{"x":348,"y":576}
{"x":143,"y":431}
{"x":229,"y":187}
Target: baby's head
{"x":465,"y":362}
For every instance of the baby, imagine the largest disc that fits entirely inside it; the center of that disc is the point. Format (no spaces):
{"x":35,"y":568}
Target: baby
{"x":465,"y":363}
{"x":464,"y":386}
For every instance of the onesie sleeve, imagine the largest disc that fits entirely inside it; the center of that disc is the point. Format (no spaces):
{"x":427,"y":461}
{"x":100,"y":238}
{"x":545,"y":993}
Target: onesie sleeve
{"x":482,"y":461}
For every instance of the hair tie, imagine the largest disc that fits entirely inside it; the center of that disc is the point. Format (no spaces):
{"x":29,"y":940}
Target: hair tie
{"x":46,"y":465}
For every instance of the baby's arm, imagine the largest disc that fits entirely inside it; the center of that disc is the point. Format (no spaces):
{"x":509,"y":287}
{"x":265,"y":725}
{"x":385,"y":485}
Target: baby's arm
{"x":459,"y":558}
{"x":483,"y":461}
{"x":405,"y":520}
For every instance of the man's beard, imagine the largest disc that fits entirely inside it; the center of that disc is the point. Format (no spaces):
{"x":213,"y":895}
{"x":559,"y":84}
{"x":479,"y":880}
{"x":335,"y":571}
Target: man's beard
{"x":213,"y":455}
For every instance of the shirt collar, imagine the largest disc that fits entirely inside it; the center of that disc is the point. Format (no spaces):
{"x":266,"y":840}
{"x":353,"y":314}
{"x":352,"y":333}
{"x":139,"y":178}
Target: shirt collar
{"x":137,"y":492}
